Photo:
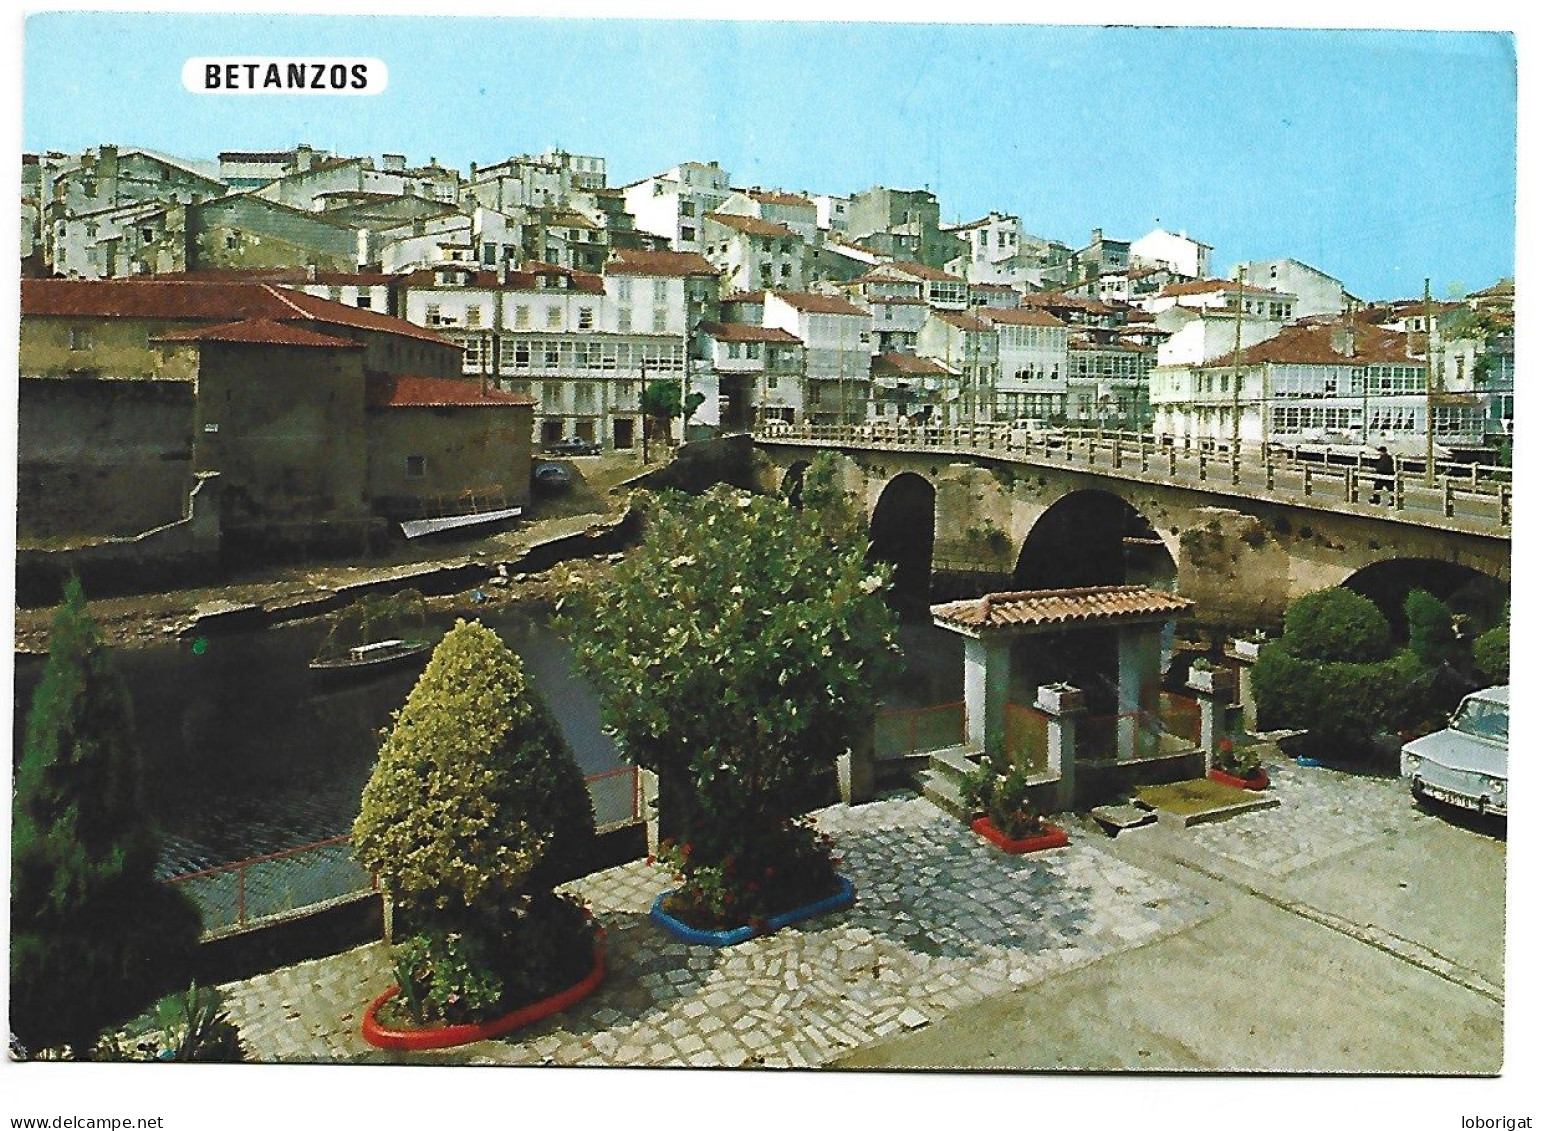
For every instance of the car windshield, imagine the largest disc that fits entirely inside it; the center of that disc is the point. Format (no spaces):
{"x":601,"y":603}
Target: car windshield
{"x":1483,"y":718}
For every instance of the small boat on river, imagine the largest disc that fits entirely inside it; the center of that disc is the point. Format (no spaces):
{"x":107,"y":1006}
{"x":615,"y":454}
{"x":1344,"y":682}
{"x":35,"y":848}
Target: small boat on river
{"x":355,"y":648}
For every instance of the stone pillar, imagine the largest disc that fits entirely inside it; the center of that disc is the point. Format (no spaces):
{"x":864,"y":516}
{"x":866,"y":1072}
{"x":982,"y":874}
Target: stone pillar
{"x":1140,"y":666}
{"x":648,"y":805}
{"x":1245,"y":654}
{"x":854,"y":770}
{"x":987,"y":673}
{"x":1063,"y":704}
{"x":1213,"y":691}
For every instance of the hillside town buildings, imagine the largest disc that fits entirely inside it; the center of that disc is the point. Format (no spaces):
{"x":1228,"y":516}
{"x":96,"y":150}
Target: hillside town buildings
{"x":538,"y":280}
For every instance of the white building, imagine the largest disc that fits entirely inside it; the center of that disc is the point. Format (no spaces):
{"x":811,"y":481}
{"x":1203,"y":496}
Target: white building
{"x":1223,"y":294}
{"x":938,"y":288}
{"x":1032,"y":362}
{"x":966,"y":344}
{"x":751,"y":252}
{"x":1348,"y":384}
{"x":1177,"y":251}
{"x":757,"y":373}
{"x":838,"y":350}
{"x":832,"y":213}
{"x":673,"y":203}
{"x":989,"y":248}
{"x":1316,"y":292}
{"x":797,"y":213}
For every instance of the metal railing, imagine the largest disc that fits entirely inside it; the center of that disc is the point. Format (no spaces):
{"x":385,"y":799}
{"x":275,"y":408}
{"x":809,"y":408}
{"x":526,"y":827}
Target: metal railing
{"x":898,"y":732}
{"x":1474,"y":495}
{"x":277,"y":886}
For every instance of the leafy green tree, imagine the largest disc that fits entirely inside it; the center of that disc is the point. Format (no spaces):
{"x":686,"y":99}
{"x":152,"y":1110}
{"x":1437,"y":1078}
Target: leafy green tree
{"x":474,"y":810}
{"x":1491,"y":652}
{"x":737,"y":654}
{"x":1337,"y":625}
{"x":1431,"y":631}
{"x":94,"y":936}
{"x":1334,"y":673}
{"x":662,"y":401}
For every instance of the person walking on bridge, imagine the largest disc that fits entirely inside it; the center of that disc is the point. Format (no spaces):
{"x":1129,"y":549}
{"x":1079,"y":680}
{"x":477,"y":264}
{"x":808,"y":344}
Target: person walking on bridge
{"x":1385,"y":468}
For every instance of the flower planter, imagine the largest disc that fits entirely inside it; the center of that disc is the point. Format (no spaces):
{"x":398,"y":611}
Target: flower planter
{"x":448,"y":1036}
{"x":1211,"y":681}
{"x":1051,"y":837}
{"x":685,"y":933}
{"x":1245,"y":649}
{"x":1256,"y":780}
{"x":1059,"y":700}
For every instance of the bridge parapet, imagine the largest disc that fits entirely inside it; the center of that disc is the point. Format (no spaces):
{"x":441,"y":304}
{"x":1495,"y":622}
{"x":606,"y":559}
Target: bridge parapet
{"x":1462,"y":498}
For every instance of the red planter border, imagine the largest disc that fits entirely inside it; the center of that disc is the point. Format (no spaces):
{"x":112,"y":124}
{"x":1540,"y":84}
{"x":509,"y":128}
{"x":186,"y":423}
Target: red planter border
{"x":448,"y":1036}
{"x":1259,"y":780}
{"x":1051,"y":837}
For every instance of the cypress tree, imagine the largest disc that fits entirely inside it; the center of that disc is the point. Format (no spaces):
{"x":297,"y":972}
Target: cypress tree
{"x":94,"y":937}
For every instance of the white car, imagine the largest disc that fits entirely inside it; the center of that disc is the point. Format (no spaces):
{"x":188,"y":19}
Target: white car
{"x":1468,"y":763}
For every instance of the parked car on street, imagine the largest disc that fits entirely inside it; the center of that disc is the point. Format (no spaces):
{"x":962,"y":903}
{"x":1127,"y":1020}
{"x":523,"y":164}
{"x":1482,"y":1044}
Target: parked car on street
{"x":573,"y":448}
{"x":551,"y":477}
{"x":1468,"y":763}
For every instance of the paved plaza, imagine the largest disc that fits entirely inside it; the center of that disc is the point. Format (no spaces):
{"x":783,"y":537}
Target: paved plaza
{"x":941,"y":920}
{"x":946,"y":932}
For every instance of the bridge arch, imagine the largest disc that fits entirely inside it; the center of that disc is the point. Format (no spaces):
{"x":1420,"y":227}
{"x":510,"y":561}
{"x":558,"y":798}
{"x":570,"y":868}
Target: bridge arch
{"x":1094,"y":537}
{"x":791,"y":485}
{"x":903,"y":529}
{"x":1467,"y":590}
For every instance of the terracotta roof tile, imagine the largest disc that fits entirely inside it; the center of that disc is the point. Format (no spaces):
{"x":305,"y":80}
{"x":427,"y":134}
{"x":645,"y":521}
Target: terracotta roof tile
{"x":919,"y":271}
{"x":973,"y":323}
{"x":1208,"y":286}
{"x":406,"y":391}
{"x":908,"y":364}
{"x":1314,"y":344}
{"x":765,"y":197}
{"x":751,"y":225}
{"x":260,"y":331}
{"x":819,"y":304}
{"x":202,"y":301}
{"x":1038,"y":608}
{"x":631,"y":261}
{"x":757,"y":297}
{"x":744,"y":332}
{"x":1018,"y":316}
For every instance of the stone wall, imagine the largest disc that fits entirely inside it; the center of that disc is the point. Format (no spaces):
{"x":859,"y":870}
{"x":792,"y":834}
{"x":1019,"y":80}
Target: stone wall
{"x":482,"y":450}
{"x":101,"y":457}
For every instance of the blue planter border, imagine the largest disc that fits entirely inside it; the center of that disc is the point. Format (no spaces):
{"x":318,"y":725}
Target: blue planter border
{"x":835,"y":902}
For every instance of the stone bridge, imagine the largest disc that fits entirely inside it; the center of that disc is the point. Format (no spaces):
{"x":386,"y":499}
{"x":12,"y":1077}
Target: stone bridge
{"x":1241,"y":536}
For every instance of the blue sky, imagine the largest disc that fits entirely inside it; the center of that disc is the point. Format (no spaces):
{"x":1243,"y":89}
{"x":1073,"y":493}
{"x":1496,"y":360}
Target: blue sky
{"x":1379,"y":156}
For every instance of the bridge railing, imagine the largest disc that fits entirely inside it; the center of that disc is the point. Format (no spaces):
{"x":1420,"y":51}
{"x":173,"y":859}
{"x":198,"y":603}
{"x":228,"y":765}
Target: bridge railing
{"x":1474,"y":492}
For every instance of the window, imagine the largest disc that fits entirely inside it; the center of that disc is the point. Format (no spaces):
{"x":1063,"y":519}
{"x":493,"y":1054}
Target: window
{"x":553,"y":317}
{"x":364,"y":301}
{"x":551,"y":394}
{"x":586,"y":317}
{"x":417,"y":467}
{"x":624,"y":320}
{"x":660,"y":320}
{"x":522,"y":316}
{"x":473,"y":316}
{"x":688,"y":234}
{"x":80,"y":338}
{"x":433,"y":314}
{"x":624,"y":290}
{"x":687,"y":208}
{"x":660,"y":290}
{"x":489,"y":254}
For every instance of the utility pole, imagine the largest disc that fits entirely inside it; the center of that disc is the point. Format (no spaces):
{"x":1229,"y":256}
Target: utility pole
{"x":1236,"y":383}
{"x":1429,"y":390}
{"x":642,"y":405}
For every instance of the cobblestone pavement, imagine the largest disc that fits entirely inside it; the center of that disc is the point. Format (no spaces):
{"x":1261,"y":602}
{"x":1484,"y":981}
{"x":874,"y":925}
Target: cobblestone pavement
{"x":941,"y":920}
{"x":1322,"y":813}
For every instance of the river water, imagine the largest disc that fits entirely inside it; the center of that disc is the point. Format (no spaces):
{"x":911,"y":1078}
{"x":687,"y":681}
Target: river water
{"x":246,"y":755}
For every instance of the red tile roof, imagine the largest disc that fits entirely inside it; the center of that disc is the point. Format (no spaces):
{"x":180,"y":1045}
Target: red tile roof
{"x":1040,"y":608}
{"x":632,"y":261}
{"x":757,"y":297}
{"x":260,"y":331}
{"x":1018,"y":316}
{"x":202,"y":301}
{"x":962,"y":320}
{"x":1313,"y":344}
{"x":765,"y":197}
{"x":820,"y":304}
{"x":1208,"y":286}
{"x":751,"y":225}
{"x":917,"y":270}
{"x":743,"y":332}
{"x":525,"y":279}
{"x":382,"y":391}
{"x":895,"y":300}
{"x":908,"y":364}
